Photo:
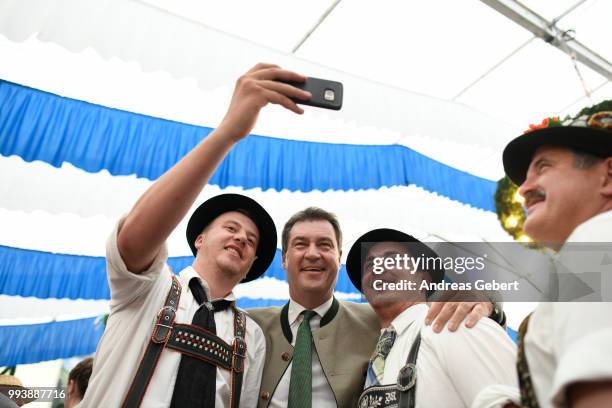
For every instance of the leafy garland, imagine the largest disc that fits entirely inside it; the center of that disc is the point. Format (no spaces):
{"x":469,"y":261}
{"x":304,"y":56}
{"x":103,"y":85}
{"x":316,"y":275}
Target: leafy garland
{"x":602,"y":106}
{"x":509,"y":208}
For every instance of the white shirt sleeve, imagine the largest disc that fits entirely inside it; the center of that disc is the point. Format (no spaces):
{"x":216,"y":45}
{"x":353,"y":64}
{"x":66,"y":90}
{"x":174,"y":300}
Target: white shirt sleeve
{"x":256,"y":355}
{"x":582,"y":337}
{"x":126,"y":286}
{"x":497,"y":396}
{"x":475,"y":358}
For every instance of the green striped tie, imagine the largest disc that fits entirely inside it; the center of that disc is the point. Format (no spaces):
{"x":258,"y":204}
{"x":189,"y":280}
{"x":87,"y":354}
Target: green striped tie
{"x":383,"y":347}
{"x":300,"y":384}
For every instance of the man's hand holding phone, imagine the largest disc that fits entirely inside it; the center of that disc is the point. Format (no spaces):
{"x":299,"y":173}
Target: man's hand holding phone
{"x":268,"y":83}
{"x":326,"y":94}
{"x":262,"y":84}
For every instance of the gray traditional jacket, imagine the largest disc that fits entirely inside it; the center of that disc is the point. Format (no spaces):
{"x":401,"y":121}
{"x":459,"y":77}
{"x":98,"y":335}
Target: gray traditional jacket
{"x":344,"y":342}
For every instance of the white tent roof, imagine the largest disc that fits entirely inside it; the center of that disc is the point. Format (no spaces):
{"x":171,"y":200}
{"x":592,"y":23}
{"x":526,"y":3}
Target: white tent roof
{"x":437,"y":48}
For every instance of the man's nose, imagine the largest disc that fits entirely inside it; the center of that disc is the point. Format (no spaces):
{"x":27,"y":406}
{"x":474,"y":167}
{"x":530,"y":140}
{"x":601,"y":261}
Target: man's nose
{"x":241,"y":237}
{"x":312,"y":251}
{"x":527,"y":186}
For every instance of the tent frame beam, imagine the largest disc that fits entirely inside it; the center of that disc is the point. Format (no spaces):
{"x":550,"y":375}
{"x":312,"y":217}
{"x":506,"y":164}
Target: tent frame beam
{"x":315,"y":26}
{"x":549,"y":32}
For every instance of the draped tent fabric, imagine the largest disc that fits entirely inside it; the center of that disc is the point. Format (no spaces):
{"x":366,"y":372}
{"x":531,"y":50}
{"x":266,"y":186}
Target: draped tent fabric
{"x":125,"y":87}
{"x":75,"y":157}
{"x":41,"y":126}
{"x":47,"y":341}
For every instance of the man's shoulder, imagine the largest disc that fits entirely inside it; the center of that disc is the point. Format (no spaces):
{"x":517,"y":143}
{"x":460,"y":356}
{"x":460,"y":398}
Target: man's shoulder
{"x":265,"y":316}
{"x":359,"y":312}
{"x":595,"y":229}
{"x":355,"y":307}
{"x":486,"y":331}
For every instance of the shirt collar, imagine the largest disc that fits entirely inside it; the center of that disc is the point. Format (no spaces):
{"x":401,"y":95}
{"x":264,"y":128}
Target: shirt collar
{"x":585,"y":232}
{"x":295,"y":309}
{"x":411,"y":314}
{"x":188,"y":273}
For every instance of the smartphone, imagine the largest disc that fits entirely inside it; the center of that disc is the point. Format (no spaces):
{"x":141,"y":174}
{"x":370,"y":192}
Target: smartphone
{"x":325,"y":93}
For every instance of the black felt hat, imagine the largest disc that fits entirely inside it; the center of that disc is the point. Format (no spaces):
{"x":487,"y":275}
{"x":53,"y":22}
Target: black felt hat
{"x":587,"y":133}
{"x":355,"y":256}
{"x":214,"y":207}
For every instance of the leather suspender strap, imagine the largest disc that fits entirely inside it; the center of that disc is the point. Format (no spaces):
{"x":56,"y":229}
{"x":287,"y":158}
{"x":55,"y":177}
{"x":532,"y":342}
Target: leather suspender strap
{"x":406,"y":380}
{"x":239,"y":348}
{"x":528,"y":395}
{"x":159,"y":337}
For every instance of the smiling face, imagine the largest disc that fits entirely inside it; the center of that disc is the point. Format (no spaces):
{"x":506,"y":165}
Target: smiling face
{"x":311,"y":261}
{"x":229,"y":244}
{"x":559,"y":196}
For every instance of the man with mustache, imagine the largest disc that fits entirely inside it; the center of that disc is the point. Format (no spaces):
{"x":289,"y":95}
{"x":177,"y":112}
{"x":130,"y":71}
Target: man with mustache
{"x":317,"y":346}
{"x":565,"y":174}
{"x":180,"y":341}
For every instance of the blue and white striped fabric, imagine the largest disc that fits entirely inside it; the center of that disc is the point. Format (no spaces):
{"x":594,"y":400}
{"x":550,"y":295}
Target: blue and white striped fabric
{"x":81,"y":137}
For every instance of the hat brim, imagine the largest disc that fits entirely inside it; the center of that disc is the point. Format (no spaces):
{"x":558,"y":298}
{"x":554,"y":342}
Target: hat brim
{"x":214,"y":207}
{"x":354,"y":263}
{"x":519,"y":152}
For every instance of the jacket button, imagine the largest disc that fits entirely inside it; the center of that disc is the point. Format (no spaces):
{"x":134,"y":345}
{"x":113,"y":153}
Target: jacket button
{"x":265,"y":395}
{"x":285,"y":356}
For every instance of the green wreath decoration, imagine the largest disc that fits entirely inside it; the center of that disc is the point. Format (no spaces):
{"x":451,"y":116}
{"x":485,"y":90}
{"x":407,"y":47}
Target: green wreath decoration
{"x":510,"y":211}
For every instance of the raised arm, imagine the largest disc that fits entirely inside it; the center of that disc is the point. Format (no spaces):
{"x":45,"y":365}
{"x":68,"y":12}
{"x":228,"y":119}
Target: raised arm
{"x":159,"y":210}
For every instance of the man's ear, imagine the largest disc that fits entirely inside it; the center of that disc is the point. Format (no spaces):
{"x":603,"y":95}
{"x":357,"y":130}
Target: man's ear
{"x":198,"y":241}
{"x":284,"y":263}
{"x":71,"y":387}
{"x":606,"y":188}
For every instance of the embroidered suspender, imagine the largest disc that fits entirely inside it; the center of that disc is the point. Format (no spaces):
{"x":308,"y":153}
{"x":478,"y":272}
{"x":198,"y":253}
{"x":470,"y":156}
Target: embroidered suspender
{"x":528,"y":395}
{"x":193,"y":341}
{"x":406,"y":380}
{"x":239,"y":348}
{"x":399,"y":395}
{"x":159,"y":337}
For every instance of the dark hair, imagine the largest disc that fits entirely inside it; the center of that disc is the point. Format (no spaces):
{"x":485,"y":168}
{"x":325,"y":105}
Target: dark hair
{"x":311,"y":214}
{"x":242,"y":211}
{"x":80,"y":374}
{"x":245,"y":212}
{"x":583,"y":160}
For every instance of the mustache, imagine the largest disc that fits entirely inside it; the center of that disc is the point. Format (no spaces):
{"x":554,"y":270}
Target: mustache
{"x":533,"y":196}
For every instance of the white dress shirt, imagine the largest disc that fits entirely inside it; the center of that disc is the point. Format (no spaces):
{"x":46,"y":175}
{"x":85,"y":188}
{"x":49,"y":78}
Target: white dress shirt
{"x":452,"y":368}
{"x":135,"y":302}
{"x":570,"y":342}
{"x":322,"y":394}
